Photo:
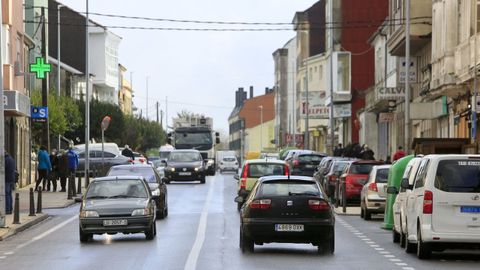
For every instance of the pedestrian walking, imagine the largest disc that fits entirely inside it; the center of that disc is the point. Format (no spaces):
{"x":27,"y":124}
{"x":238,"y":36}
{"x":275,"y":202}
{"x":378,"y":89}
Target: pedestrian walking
{"x":10,"y":171}
{"x":338,"y":151}
{"x":399,"y":154}
{"x":63,"y":169}
{"x":128,"y":152}
{"x":367,"y":153}
{"x":44,"y":167}
{"x":53,"y":175}
{"x":72,"y":161}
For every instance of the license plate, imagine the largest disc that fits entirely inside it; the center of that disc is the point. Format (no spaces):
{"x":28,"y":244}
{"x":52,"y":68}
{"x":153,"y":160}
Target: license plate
{"x":289,"y":227}
{"x":115,"y":222}
{"x":308,"y":166}
{"x":470,"y":209}
{"x":184,"y":173}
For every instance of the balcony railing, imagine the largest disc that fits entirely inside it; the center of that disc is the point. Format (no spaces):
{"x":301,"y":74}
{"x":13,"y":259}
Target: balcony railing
{"x":465,"y":58}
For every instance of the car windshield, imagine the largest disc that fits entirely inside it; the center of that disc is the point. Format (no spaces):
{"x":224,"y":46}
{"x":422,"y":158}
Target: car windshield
{"x":229,"y":159}
{"x":164,"y":155}
{"x":259,"y":170}
{"x":193,"y":138}
{"x":184,"y":157}
{"x":288,"y":188}
{"x":310,"y":158}
{"x":145,"y":172}
{"x":361,"y":168}
{"x":109,"y":189}
{"x":382,"y":176}
{"x":458,"y":176}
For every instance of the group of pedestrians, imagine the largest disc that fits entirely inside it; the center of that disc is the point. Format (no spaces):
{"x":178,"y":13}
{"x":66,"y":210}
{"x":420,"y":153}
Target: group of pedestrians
{"x":54,"y":166}
{"x":354,"y":150}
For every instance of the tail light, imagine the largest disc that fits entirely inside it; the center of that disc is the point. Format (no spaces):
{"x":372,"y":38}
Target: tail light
{"x":318,"y":205}
{"x":261,"y":204}
{"x":130,"y":161}
{"x":427,"y":202}
{"x":142,"y":160}
{"x":295,"y":162}
{"x":243,"y":180}
{"x":287,"y":170}
{"x":373,"y":187}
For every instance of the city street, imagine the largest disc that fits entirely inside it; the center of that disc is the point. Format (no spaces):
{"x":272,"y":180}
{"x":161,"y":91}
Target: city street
{"x":201,"y":232}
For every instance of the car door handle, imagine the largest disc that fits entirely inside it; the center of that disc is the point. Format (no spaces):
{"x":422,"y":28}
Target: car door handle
{"x":421,"y":195}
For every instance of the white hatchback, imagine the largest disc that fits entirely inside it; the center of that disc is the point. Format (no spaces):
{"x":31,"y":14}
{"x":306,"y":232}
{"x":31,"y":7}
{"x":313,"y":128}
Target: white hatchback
{"x":443,"y":208}
{"x":228,"y":163}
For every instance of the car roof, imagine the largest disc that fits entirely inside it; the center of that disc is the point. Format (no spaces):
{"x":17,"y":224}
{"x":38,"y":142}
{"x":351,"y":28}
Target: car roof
{"x":373,"y":162}
{"x":184,"y":150}
{"x":386,"y":166}
{"x":265,"y":160}
{"x":450,"y":156}
{"x":135,"y":165}
{"x":309,"y":152}
{"x":269,"y":178}
{"x":120,"y":177}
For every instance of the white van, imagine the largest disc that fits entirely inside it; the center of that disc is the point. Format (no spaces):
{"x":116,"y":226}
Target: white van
{"x":443,"y":208}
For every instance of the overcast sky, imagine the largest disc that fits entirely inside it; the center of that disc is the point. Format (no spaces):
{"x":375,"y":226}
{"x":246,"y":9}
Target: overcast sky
{"x":199,"y":71}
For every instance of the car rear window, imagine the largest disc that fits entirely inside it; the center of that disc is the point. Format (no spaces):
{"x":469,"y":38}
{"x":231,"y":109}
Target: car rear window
{"x":146,"y":173}
{"x":288,"y":188}
{"x":259,"y":170}
{"x":109,"y":189}
{"x":310,"y":158}
{"x":229,"y":159}
{"x":382,"y":176}
{"x":458,"y":176}
{"x":339,"y":166}
{"x":361,"y":168}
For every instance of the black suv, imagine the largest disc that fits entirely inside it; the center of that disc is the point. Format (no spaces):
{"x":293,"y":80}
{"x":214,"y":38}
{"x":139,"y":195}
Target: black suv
{"x":305,"y":162}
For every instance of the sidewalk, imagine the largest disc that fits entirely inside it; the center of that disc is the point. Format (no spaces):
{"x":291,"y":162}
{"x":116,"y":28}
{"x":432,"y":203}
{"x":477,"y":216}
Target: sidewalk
{"x":351,"y":211}
{"x":49,"y":200}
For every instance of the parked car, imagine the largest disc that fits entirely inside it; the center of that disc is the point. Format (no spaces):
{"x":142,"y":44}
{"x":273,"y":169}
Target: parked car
{"x":373,"y":195}
{"x":290,"y":153}
{"x":185,"y":165}
{"x":310,"y":218}
{"x":117,"y":204}
{"x":324,"y":167}
{"x":154,"y":180}
{"x":399,"y":206}
{"x":254,"y":169}
{"x":100,"y":162}
{"x":304,"y":162}
{"x":270,"y":155}
{"x":332,"y":174}
{"x":354,"y":177}
{"x":228,"y":163}
{"x":444,"y":204}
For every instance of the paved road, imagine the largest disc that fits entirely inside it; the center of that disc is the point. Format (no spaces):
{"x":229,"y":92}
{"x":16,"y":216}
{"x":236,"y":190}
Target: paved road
{"x":201,"y":232}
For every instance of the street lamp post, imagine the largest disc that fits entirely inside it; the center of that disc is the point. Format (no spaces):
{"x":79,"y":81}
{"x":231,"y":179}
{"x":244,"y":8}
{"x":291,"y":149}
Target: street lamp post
{"x":87,"y":99}
{"x":261,"y":127}
{"x":59,"y":73}
{"x":2,"y":141}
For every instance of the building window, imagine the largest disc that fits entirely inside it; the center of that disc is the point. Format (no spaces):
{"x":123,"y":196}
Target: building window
{"x":320,"y":71}
{"x":19,"y":57}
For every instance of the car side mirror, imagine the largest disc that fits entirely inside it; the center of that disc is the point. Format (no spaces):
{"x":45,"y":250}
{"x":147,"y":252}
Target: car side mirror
{"x":236,"y":177}
{"x":392,"y":190}
{"x":239,"y":199}
{"x":404,"y":184}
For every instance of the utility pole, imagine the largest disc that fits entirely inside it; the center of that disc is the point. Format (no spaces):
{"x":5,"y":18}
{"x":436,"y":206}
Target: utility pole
{"x":2,"y":138}
{"x":474,"y":102}
{"x":407,"y":76}
{"x":166,"y":114}
{"x":161,"y":118}
{"x":331,"y":116}
{"x":46,"y":130}
{"x":59,"y":73}
{"x":87,"y":99}
{"x":158,"y":120}
{"x":307,"y":109}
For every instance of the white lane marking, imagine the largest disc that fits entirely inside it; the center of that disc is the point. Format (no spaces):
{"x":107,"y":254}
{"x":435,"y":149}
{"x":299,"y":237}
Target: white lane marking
{"x":395,"y":260}
{"x":384,"y":252}
{"x":374,"y":246}
{"x":38,"y":237}
{"x":408,"y":268}
{"x":401,"y":264}
{"x":389,"y":256}
{"x":379,"y":249}
{"x":2,"y":257}
{"x":366,"y":239}
{"x":191,"y":263}
{"x":8,"y":253}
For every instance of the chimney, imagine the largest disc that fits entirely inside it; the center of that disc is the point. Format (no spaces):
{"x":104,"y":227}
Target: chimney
{"x":267,"y":90}
{"x":251,"y":91}
{"x":238,"y":97}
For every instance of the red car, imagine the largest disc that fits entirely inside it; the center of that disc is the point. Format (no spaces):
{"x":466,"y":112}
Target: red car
{"x":355,"y":176}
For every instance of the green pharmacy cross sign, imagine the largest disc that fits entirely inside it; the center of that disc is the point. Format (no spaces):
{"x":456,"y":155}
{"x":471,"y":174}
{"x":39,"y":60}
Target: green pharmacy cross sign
{"x":40,"y":67}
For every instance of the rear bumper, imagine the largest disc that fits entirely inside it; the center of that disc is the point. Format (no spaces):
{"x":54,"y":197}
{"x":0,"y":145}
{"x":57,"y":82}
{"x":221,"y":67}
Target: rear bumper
{"x":135,"y":225}
{"x":195,"y":176}
{"x":263,"y":231}
{"x":375,"y":205}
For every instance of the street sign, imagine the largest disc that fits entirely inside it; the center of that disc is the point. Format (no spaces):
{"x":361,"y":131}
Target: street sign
{"x":412,"y":70}
{"x":40,"y":68}
{"x":105,"y":122}
{"x":39,"y":112}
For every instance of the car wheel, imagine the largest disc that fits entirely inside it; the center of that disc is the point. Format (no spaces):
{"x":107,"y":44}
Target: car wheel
{"x":402,"y":239}
{"x":424,"y":250}
{"x":161,"y":214}
{"x":409,"y":247}
{"x":246,"y":244}
{"x":85,"y":237}
{"x":202,"y":180}
{"x":239,"y":206}
{"x":395,"y":236}
{"x":362,"y":212}
{"x":167,"y":182}
{"x":150,"y":233}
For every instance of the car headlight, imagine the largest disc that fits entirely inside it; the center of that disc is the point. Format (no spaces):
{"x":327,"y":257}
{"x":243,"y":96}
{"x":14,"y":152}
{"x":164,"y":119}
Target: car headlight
{"x":141,"y":212}
{"x":172,"y":169}
{"x":198,"y":169}
{"x":88,"y":214}
{"x":156,"y":192}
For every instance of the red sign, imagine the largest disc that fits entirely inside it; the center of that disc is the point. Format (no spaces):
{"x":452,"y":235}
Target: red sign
{"x":289,"y":138}
{"x":105,"y":122}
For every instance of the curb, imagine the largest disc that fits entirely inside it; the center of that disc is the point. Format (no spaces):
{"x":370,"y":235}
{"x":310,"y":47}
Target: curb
{"x":25,"y":226}
{"x":340,"y":213}
{"x":67,"y":204}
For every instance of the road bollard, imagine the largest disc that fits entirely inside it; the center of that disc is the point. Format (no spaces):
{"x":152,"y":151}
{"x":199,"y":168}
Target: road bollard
{"x":344,"y":196}
{"x":16,"y":209}
{"x":79,"y":186}
{"x":39,"y":200}
{"x":69,"y":189}
{"x":337,"y":187}
{"x":87,"y":178}
{"x":32,"y":203}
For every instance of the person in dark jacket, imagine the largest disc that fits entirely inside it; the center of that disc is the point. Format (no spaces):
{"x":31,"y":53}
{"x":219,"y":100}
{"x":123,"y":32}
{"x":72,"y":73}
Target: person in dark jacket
{"x":128,"y":152}
{"x":72,"y":161}
{"x":10,"y":170}
{"x":367,"y":153}
{"x":63,"y":170}
{"x":53,"y":175}
{"x":338,"y":151}
{"x":44,"y":166}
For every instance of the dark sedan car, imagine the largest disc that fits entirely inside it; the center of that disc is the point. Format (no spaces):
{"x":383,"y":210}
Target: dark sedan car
{"x":305,"y":162}
{"x":117,"y":204}
{"x":287,"y":209}
{"x":185,"y":165}
{"x":99,"y":161}
{"x":155,"y":182}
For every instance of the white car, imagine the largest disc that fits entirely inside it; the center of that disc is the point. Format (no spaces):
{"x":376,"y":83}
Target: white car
{"x":443,"y":208}
{"x":399,"y":225}
{"x":373,"y":195}
{"x":228,"y":163}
